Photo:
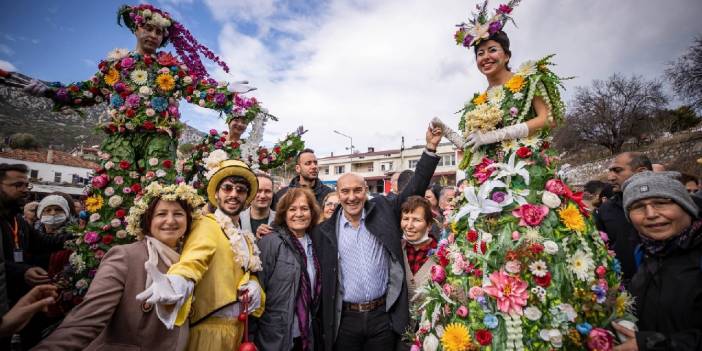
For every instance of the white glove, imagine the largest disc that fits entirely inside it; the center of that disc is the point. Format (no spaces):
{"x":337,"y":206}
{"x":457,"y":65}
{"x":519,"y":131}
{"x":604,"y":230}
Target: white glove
{"x":166,"y":289}
{"x":478,"y":139}
{"x":449,"y":133}
{"x":36,"y":88}
{"x":254,"y":292}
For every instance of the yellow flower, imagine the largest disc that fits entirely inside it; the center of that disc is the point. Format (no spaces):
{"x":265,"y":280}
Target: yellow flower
{"x":571,"y":217}
{"x":624,"y":303}
{"x":515,"y":84}
{"x":94,"y":203}
{"x":480,"y":99}
{"x":112,"y":76}
{"x":165,"y":82}
{"x":456,"y":338}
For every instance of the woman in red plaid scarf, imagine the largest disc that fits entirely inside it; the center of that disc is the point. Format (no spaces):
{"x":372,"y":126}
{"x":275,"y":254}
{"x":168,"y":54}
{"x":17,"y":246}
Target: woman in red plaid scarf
{"x":418,"y":245}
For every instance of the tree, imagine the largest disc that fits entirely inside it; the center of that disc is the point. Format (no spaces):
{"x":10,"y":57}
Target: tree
{"x":186,"y":148}
{"x":613,"y":111}
{"x":23,"y":141}
{"x":676,"y":120}
{"x":685,"y":74}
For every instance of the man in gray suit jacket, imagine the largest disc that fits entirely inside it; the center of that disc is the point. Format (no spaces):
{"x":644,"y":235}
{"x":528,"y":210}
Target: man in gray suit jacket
{"x":258,"y":218}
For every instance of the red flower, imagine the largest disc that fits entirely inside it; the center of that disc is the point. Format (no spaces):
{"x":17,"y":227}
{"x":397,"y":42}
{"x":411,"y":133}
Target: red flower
{"x":544,"y":281}
{"x":524,"y":152}
{"x":189,"y":90}
{"x":478,"y":273}
{"x":102,"y":66}
{"x":483,"y":247}
{"x":484,"y":337}
{"x":441,"y":254}
{"x":545,"y":145}
{"x":511,"y":255}
{"x":120,"y":213}
{"x":167,"y":164}
{"x":148,"y":60}
{"x":130,"y":113}
{"x":148,"y":125}
{"x":276,"y":149}
{"x":181,"y":73}
{"x":124,"y":165}
{"x":166,"y":59}
{"x":472,"y":235}
{"x":107,"y":239}
{"x":235,"y":145}
{"x":136,"y":187}
{"x":536,"y":248}
{"x":222,"y":139}
{"x":73,"y":88}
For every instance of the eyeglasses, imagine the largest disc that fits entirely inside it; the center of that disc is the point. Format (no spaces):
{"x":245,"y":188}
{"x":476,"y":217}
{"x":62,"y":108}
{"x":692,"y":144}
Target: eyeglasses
{"x":330,"y":204}
{"x":228,"y":188}
{"x":639,"y":208}
{"x":20,"y":185}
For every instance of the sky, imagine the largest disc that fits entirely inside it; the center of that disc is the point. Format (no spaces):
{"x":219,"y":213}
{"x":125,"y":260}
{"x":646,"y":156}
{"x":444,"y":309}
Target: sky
{"x":375,"y":70}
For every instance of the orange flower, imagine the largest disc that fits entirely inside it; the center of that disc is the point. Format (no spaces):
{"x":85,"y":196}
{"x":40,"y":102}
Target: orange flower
{"x":165,"y":82}
{"x":515,"y":84}
{"x":480,"y":99}
{"x":112,"y":76}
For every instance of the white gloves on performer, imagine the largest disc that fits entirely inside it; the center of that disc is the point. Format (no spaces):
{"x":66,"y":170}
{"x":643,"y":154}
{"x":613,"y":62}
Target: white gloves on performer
{"x":254,"y":292}
{"x":36,"y":88}
{"x":167,"y":292}
{"x":478,"y":139}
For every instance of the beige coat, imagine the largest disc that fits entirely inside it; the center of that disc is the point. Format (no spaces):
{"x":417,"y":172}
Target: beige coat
{"x":416,"y":281}
{"x":110,"y":317}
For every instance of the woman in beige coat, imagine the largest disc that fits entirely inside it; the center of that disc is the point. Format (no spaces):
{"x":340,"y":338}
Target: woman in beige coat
{"x":110,"y":317}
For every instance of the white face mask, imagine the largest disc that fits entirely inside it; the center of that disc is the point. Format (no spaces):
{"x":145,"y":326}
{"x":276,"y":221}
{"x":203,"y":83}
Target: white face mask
{"x":53,"y":220}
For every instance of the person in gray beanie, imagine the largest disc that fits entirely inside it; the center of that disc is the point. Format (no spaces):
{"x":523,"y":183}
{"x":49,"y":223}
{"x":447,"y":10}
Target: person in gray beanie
{"x":667,"y":286}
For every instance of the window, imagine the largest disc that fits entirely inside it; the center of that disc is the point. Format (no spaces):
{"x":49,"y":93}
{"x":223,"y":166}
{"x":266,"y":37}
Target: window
{"x":33,"y":174}
{"x":386,"y":166}
{"x":447,"y":160}
{"x":325,"y":170}
{"x":57,"y":177}
{"x":412,"y":164}
{"x":339,"y":169}
{"x":75,"y":179}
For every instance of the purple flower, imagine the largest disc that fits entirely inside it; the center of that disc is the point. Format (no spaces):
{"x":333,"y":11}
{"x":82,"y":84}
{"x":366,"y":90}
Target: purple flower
{"x":220,"y":99}
{"x":467,"y":40}
{"x":62,"y":94}
{"x":494,"y":27}
{"x":173,"y":111}
{"x":218,"y":145}
{"x":133,"y":100}
{"x":127,"y":62}
{"x":91,"y":237}
{"x":498,"y":196}
{"x":119,"y":87}
{"x":513,"y":111}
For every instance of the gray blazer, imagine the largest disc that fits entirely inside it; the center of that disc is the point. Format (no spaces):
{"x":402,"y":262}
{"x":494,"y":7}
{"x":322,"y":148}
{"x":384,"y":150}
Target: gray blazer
{"x":245,"y":219}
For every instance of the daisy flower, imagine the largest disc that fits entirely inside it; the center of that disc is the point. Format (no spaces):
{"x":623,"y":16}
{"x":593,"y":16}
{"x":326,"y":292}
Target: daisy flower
{"x":139,"y":76}
{"x":581,"y":265}
{"x":538,"y":268}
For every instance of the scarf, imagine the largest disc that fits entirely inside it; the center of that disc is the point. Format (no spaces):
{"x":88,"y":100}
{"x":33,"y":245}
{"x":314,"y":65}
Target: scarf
{"x":159,"y":251}
{"x":685,"y":240}
{"x":417,"y":256}
{"x":304,"y":301}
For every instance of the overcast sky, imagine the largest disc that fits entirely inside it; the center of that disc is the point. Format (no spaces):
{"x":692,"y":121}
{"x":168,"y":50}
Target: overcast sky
{"x":376,"y":70}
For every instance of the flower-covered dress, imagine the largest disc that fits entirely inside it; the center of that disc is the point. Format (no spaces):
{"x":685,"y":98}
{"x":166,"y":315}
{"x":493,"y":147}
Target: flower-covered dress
{"x":143,"y":93}
{"x":524,"y":267}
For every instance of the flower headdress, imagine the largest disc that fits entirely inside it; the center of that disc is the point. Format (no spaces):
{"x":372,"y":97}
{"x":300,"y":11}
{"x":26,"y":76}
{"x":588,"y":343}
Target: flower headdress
{"x":245,"y":108}
{"x":187,"y":47}
{"x":156,"y":190}
{"x":480,"y":27}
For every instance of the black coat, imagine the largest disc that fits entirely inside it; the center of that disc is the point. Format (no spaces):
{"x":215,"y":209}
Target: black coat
{"x":623,"y":238}
{"x":668,"y":295}
{"x":320,"y":191}
{"x":383,"y":221}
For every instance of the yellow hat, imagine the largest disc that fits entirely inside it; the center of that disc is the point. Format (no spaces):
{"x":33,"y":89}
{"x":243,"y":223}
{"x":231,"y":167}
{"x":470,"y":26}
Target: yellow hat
{"x":230,"y":168}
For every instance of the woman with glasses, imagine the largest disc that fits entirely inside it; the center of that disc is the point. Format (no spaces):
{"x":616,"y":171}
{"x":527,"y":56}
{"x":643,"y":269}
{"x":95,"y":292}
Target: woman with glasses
{"x":668,"y":284}
{"x":331,"y":200}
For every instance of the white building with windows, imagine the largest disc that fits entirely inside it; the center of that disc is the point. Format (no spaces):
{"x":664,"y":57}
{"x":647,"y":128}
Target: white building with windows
{"x":378,"y":166}
{"x":52,"y":170}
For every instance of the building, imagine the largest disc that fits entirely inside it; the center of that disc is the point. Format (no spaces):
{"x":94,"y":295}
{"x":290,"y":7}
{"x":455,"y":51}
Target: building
{"x":52,"y":170}
{"x":378,"y":166}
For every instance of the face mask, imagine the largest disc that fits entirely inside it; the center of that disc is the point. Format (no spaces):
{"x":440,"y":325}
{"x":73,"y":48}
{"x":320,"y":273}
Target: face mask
{"x":53,"y":220}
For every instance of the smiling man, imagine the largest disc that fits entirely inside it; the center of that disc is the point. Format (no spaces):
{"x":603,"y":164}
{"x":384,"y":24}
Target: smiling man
{"x":307,"y":177}
{"x":364,"y":292}
{"x":259,"y":217}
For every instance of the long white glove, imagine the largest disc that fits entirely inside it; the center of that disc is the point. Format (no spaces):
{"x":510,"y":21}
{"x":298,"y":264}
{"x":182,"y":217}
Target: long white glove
{"x":36,"y":88}
{"x":449,"y":133}
{"x":254,"y":292}
{"x":477,"y":139}
{"x":166,"y":289}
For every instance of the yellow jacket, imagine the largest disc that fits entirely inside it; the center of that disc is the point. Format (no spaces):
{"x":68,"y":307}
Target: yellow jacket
{"x":208,"y":261}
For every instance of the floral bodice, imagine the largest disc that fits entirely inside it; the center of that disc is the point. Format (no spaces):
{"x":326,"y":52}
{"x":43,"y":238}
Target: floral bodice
{"x":143,"y":92}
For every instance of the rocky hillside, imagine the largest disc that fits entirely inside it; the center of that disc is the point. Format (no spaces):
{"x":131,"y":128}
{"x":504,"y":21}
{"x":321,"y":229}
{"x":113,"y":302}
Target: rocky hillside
{"x":21,"y":113}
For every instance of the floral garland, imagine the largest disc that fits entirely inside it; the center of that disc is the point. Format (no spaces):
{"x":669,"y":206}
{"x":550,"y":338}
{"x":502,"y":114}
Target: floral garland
{"x":248,"y":260}
{"x":480,"y":27}
{"x":155,"y":190}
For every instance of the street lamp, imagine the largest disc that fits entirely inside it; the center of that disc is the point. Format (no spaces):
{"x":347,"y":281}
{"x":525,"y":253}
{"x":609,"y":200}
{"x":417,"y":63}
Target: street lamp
{"x":350,"y":140}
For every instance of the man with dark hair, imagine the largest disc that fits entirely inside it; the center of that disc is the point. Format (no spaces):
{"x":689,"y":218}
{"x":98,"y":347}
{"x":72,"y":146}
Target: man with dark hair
{"x":307,"y":172}
{"x":690,"y":182}
{"x":610,"y":217}
{"x":259,"y":216}
{"x":595,"y":193}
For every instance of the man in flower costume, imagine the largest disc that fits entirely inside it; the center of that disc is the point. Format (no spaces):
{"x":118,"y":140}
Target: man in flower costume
{"x":217,"y":260}
{"x":523,"y":267}
{"x":142,"y":88}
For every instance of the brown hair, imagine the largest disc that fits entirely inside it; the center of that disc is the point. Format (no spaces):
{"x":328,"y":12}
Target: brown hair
{"x":414,"y":202}
{"x":148,"y":216}
{"x":286,"y":201}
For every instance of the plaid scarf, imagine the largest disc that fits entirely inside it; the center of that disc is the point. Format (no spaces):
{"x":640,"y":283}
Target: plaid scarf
{"x":304,"y":301}
{"x":416,"y":257}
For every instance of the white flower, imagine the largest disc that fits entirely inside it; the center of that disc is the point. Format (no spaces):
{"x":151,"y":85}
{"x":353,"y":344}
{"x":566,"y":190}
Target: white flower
{"x":538,"y":268}
{"x":531,"y":141}
{"x":109,"y":191}
{"x":76,"y":262}
{"x":539,"y":292}
{"x":487,"y":238}
{"x":509,"y":145}
{"x":187,"y":80}
{"x":88,"y":94}
{"x":133,"y":175}
{"x":146,"y":13}
{"x":496,"y":95}
{"x":581,"y":265}
{"x":513,"y":267}
{"x":121,"y":234}
{"x":518,"y":96}
{"x":532,"y":235}
{"x":431,"y":343}
{"x":150,"y":112}
{"x":527,"y":68}
{"x":478,"y":202}
{"x":201,"y":103}
{"x":145,"y":91}
{"x":153,"y":161}
{"x":569,"y":311}
{"x":532,"y":313}
{"x":139,"y":76}
{"x":550,"y":247}
{"x":82,"y":284}
{"x":160,"y":173}
{"x":550,"y":199}
{"x":129,"y":125}
{"x":94,"y":217}
{"x":117,"y":54}
{"x":553,"y":336}
{"x":215,"y":158}
{"x":115,"y":223}
{"x":115,"y":201}
{"x":109,"y":165}
{"x":510,"y":169}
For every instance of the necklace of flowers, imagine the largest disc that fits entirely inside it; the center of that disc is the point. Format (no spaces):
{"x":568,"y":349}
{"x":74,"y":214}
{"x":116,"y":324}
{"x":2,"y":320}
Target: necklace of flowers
{"x":249,"y":260}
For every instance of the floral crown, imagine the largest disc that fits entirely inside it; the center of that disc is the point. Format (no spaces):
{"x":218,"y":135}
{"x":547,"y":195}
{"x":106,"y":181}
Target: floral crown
{"x":156,"y":190}
{"x":480,"y":27}
{"x":187,"y":47}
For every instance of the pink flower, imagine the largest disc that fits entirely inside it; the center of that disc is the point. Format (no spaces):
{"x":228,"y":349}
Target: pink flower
{"x":438,"y":274}
{"x":505,"y":9}
{"x":510,"y":292}
{"x":475,"y":292}
{"x":99,"y":254}
{"x":462,"y":311}
{"x":100,"y":181}
{"x":119,"y":180}
{"x":601,"y":271}
{"x":556,"y":186}
{"x":127,"y":63}
{"x":530,"y":215}
{"x":600,"y":339}
{"x":482,"y":172}
{"x":91,"y":237}
{"x":213,"y":131}
{"x":447,"y":288}
{"x":515,"y":235}
{"x":513,"y":267}
{"x":604,"y":236}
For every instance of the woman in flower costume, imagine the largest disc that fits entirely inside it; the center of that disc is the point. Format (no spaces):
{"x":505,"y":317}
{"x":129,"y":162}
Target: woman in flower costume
{"x":142,"y":88}
{"x":524,"y":267}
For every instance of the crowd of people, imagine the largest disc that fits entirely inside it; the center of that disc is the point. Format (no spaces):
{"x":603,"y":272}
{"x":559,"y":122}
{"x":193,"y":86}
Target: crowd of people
{"x":226,"y":262}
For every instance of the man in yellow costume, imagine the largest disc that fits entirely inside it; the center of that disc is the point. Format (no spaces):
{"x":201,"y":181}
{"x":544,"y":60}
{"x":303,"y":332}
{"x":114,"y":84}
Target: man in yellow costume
{"x":216,"y":265}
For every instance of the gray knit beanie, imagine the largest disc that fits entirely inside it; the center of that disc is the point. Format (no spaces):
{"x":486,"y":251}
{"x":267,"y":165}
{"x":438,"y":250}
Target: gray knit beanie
{"x":647,"y":184}
{"x":53,"y":200}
